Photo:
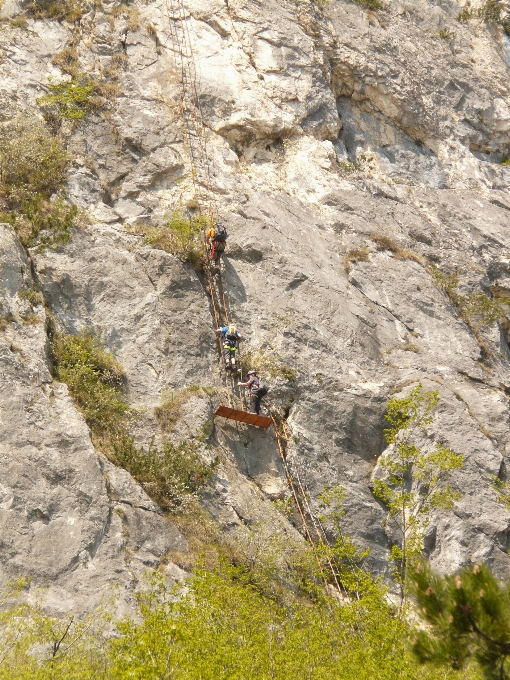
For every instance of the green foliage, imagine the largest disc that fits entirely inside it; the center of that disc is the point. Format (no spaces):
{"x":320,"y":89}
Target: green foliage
{"x":343,"y":560}
{"x":33,"y":163}
{"x":36,"y":646}
{"x":477,"y":309}
{"x":464,"y":15}
{"x":505,"y":160}
{"x":58,"y":10}
{"x":172,"y":476}
{"x":468,"y":617}
{"x":413,"y":481}
{"x":224,"y":628}
{"x":372,"y":5}
{"x":42,"y":224}
{"x":67,"y":61}
{"x":490,"y":11}
{"x":70,"y":101}
{"x":446,"y":33}
{"x":33,"y":167}
{"x":95,"y":381}
{"x":221,"y":625}
{"x":181,"y":236}
{"x":502,"y":489}
{"x":34,"y":297}
{"x":5,"y":320}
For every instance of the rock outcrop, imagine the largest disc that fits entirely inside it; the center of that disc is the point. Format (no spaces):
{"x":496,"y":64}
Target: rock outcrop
{"x":326,"y":129}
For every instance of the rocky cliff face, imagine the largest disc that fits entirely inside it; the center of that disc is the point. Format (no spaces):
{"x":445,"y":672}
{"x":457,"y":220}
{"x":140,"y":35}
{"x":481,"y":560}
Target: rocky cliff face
{"x":326,"y":129}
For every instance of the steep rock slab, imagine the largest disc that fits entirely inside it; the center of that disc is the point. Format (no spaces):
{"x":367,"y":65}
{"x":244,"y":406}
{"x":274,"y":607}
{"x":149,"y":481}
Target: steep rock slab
{"x":60,"y":515}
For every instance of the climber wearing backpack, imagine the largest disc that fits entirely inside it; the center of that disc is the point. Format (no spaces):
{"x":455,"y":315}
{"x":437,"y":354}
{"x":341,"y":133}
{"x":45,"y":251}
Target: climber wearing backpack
{"x":257,"y":391}
{"x":230,"y":337}
{"x":217,"y":240}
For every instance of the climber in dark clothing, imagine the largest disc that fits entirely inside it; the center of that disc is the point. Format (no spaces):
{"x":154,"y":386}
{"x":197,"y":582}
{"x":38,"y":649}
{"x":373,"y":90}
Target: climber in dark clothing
{"x":253,"y":384}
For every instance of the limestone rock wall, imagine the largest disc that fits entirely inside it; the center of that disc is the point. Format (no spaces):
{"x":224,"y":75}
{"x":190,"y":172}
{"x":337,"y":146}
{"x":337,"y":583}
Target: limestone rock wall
{"x":323,"y":127}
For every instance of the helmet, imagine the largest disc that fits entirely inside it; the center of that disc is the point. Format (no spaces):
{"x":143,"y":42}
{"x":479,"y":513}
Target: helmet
{"x":252,"y":372}
{"x":232,"y":330}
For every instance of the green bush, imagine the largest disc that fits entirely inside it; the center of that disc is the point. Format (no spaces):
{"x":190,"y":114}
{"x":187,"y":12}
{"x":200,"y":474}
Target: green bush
{"x":58,"y":10}
{"x":446,"y":34}
{"x":172,"y":476}
{"x":34,"y":297}
{"x":372,"y":5}
{"x":490,"y":11}
{"x":42,"y":224}
{"x":33,"y":163}
{"x":477,"y":309}
{"x":95,"y":381}
{"x":33,"y":168}
{"x":70,"y":101}
{"x":181,"y":236}
{"x":467,"y":617}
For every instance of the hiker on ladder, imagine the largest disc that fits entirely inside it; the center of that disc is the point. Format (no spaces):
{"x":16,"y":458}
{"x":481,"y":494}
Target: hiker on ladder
{"x":230,"y":337}
{"x":257,"y":391}
{"x":216,"y":242}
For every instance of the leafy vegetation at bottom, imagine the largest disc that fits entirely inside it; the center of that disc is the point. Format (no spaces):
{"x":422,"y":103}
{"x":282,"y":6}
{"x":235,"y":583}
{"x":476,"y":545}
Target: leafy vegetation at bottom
{"x":222,"y":626}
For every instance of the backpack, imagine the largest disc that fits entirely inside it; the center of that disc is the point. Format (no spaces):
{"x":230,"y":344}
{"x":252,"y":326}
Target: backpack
{"x":220,"y":233}
{"x":261,"y":390}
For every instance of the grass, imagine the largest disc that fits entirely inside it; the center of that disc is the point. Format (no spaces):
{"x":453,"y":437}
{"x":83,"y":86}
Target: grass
{"x":34,"y":297}
{"x":490,"y":11}
{"x":356,"y":255}
{"x":383,"y":243}
{"x":67,"y":61}
{"x":446,"y":34}
{"x":181,"y":236}
{"x":5,"y":320}
{"x":371,"y":5}
{"x":170,"y":412}
{"x":505,"y":161}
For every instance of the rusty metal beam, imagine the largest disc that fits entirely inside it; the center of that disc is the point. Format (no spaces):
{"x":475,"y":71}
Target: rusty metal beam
{"x":243,"y":416}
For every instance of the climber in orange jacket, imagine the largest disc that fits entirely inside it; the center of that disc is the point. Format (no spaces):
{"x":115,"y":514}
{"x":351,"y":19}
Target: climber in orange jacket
{"x":217,"y":240}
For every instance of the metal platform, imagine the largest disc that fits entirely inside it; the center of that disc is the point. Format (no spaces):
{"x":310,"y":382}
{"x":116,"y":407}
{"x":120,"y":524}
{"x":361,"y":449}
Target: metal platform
{"x":243,"y":416}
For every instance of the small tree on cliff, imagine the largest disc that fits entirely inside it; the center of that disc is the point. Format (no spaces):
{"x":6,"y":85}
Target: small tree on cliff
{"x":468,"y":617}
{"x":413,"y":481}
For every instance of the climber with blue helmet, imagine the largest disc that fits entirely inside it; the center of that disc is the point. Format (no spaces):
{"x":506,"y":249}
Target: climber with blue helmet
{"x":230,"y":338}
